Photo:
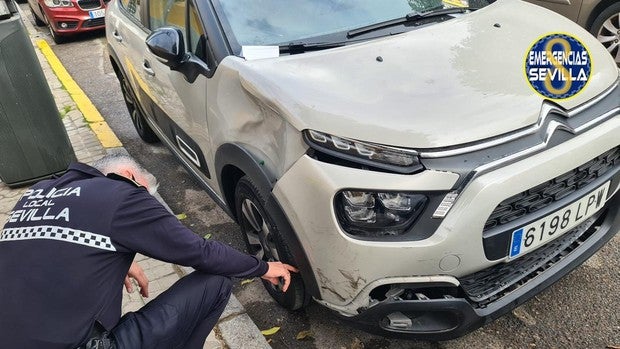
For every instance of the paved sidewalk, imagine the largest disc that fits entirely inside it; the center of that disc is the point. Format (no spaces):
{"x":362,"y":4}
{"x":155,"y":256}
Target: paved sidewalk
{"x":235,"y":328}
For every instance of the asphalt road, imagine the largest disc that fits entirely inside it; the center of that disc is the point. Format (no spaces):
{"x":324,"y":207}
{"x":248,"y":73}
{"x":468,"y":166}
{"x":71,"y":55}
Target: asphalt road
{"x":580,"y":311}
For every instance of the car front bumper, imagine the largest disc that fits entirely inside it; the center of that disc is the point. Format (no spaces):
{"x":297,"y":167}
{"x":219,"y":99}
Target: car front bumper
{"x":76,"y":20}
{"x":349,"y":270}
{"x":448,"y":317}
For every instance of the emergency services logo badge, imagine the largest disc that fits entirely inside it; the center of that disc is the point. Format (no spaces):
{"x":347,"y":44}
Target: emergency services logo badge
{"x":558,"y":66}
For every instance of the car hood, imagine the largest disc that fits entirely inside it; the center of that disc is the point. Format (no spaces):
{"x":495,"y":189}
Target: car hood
{"x":442,"y":85}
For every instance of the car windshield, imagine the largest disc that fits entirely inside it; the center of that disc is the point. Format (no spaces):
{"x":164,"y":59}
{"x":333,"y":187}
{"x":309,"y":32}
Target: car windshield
{"x":276,"y":22}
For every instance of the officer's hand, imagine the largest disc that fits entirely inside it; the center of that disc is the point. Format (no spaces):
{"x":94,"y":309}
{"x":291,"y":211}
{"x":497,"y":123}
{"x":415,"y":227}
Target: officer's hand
{"x":279,"y":270}
{"x":135,"y":272}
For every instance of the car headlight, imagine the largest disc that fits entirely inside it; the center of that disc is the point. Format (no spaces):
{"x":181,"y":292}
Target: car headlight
{"x":370,"y":154}
{"x":58,"y":3}
{"x":368,"y":213}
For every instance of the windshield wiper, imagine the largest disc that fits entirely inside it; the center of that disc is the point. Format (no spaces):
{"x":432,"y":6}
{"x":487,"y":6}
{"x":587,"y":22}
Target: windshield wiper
{"x":410,"y":17}
{"x":301,"y":47}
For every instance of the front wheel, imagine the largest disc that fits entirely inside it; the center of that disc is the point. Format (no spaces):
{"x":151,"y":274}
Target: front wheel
{"x":37,"y":21}
{"x":606,"y":28}
{"x":264,"y":241}
{"x":59,"y":39}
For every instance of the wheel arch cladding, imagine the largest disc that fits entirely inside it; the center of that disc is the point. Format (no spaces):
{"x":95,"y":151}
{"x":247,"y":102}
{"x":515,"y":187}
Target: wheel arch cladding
{"x":600,"y":7}
{"x":233,"y":161}
{"x":114,"y":61}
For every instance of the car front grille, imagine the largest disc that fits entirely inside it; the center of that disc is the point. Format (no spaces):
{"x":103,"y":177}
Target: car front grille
{"x":97,"y":22}
{"x":552,"y":191}
{"x":490,"y":284}
{"x":89,"y":4}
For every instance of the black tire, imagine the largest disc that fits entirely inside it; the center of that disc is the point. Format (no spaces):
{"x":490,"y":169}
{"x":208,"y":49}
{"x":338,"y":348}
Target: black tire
{"x":264,"y":241}
{"x":606,"y":28}
{"x":37,"y":21}
{"x":59,"y":39}
{"x":137,"y":118}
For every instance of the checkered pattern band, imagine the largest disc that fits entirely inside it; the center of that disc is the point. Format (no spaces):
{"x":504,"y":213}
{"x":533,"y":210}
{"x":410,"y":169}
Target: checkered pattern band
{"x":58,"y":233}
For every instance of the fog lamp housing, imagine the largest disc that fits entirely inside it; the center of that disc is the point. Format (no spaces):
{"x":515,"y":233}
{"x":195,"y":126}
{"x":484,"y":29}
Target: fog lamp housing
{"x":376,"y":214}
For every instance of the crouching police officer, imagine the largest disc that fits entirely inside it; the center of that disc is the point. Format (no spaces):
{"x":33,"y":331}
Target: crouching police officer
{"x":68,"y":246}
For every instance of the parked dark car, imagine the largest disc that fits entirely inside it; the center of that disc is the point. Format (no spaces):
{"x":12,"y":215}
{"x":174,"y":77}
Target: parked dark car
{"x":599,"y":17}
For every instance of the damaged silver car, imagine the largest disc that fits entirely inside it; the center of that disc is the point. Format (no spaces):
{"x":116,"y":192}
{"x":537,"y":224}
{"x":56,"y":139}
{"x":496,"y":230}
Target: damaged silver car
{"x":428,"y":165}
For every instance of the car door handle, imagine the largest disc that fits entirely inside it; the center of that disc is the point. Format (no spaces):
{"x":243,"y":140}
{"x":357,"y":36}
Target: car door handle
{"x":147,"y":68}
{"x":117,"y":36}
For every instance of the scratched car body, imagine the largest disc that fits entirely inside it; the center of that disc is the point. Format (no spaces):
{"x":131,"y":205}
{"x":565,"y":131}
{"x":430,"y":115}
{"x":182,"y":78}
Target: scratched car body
{"x":393,"y":151}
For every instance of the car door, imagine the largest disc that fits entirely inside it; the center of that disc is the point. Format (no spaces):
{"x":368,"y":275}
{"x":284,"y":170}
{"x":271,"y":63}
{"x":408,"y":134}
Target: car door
{"x":180,"y":104}
{"x":126,"y":27}
{"x":568,"y":8}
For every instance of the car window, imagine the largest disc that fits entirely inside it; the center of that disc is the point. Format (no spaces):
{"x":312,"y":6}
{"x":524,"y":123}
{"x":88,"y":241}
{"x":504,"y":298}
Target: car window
{"x":269,"y":22}
{"x":196,"y":34}
{"x":167,"y":13}
{"x":132,"y":7}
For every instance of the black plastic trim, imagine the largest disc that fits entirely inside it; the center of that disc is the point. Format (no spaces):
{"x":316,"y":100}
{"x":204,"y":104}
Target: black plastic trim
{"x":469,"y":317}
{"x":496,"y":241}
{"x":237,"y":155}
{"x":215,"y":32}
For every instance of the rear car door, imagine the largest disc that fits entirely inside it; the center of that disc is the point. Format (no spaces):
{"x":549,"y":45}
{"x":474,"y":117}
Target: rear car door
{"x":569,"y":9}
{"x":127,"y":24}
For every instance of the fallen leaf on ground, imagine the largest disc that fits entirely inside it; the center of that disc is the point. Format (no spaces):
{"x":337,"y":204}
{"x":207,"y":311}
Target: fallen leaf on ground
{"x":270,"y":331}
{"x":304,"y":335}
{"x":181,"y":216}
{"x":357,"y":344}
{"x":246,"y":281}
{"x":207,"y":236}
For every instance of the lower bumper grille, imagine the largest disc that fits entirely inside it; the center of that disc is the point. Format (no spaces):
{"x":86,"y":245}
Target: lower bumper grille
{"x":495,"y":282}
{"x":552,"y":191}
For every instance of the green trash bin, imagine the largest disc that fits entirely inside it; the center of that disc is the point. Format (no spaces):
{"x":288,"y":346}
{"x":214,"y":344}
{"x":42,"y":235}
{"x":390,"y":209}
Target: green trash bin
{"x":33,"y":141}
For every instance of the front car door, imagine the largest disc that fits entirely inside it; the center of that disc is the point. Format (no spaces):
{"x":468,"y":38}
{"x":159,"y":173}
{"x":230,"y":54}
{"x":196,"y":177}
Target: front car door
{"x":179,"y":102}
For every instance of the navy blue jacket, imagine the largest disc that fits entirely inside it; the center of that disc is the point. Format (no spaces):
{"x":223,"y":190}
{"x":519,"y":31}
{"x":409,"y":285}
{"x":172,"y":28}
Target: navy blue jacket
{"x":66,"y":249}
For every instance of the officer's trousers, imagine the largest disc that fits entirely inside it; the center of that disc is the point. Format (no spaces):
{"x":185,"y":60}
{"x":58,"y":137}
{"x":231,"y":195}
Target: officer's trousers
{"x":181,"y":317}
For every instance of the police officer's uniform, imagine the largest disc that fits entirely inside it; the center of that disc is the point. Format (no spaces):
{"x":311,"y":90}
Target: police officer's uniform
{"x":66,"y":249}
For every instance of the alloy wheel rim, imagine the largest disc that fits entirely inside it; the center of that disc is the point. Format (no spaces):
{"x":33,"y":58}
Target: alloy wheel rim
{"x":258,"y":233}
{"x":609,"y":36}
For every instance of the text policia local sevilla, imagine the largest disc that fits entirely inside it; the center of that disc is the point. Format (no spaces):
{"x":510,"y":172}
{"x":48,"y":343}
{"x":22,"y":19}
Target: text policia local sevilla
{"x":40,"y":205}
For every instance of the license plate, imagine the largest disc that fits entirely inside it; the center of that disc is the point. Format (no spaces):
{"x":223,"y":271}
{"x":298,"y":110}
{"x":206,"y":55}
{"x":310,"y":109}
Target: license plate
{"x":97,"y":13}
{"x":535,"y":234}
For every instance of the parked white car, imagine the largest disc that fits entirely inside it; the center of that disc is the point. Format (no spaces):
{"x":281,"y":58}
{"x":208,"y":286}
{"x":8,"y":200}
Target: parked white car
{"x":427,"y":165}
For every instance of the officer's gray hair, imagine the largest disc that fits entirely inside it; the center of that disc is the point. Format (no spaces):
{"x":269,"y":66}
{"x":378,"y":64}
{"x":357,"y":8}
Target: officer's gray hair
{"x":116,"y":163}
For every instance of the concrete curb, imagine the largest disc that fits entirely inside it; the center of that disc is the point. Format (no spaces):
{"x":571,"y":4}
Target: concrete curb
{"x":235,"y":329}
{"x":107,"y":138}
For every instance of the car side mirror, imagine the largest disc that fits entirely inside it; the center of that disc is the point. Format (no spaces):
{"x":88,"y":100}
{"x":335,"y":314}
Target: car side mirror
{"x":167,"y":44}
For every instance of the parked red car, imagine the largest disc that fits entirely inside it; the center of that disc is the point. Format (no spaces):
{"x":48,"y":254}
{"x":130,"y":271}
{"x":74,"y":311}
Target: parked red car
{"x":67,"y":17}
